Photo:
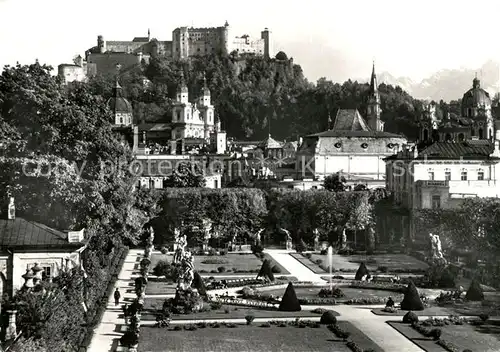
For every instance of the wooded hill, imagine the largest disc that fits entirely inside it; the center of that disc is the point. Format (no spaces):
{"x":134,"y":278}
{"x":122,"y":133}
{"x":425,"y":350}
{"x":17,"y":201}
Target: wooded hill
{"x":252,"y":93}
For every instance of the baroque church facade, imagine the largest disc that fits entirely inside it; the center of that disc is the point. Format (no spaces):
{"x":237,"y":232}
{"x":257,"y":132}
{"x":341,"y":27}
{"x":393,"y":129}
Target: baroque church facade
{"x":476,"y":120}
{"x":193,"y":119}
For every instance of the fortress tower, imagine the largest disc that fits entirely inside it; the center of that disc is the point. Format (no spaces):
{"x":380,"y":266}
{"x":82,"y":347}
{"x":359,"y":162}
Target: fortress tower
{"x":268,"y":49}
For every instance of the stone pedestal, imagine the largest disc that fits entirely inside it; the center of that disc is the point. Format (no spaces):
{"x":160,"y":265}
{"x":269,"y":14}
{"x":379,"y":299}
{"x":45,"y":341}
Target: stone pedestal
{"x":289,"y":245}
{"x":11,"y":331}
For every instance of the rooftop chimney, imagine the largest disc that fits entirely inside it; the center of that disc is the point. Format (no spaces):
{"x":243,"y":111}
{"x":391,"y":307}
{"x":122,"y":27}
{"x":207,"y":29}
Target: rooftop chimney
{"x":76,"y":236}
{"x":11,"y":210}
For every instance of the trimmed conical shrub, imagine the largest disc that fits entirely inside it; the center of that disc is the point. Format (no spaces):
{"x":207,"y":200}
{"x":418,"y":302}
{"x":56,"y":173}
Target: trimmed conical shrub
{"x":289,"y":302}
{"x":362,"y":271}
{"x":411,"y":300}
{"x":475,"y":292}
{"x":199,"y":284}
{"x":328,"y":317}
{"x":410,"y":318}
{"x":266,"y":270}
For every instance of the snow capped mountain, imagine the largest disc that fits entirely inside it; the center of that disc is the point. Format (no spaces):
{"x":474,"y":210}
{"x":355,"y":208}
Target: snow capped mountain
{"x":447,"y":84}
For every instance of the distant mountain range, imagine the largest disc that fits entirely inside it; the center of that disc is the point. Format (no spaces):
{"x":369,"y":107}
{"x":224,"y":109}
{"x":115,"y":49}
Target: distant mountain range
{"x":446,"y":84}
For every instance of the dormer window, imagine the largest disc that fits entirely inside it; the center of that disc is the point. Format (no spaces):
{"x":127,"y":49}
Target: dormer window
{"x":364,"y":145}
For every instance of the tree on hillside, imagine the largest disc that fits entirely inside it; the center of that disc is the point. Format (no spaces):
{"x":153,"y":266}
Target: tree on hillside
{"x":57,"y":146}
{"x":186,"y":175}
{"x":335,"y":183}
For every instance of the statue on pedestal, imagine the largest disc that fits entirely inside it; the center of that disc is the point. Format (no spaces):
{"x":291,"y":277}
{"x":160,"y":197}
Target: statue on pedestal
{"x":436,"y":249}
{"x":151,"y":236}
{"x":289,"y":244}
{"x":257,"y":237}
{"x":316,"y":239}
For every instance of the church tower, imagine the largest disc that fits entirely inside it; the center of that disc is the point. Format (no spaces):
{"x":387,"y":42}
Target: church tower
{"x":374,"y":110}
{"x":182,"y":91}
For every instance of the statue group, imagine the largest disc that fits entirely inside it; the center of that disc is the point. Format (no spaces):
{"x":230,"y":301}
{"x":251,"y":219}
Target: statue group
{"x":184,"y":259}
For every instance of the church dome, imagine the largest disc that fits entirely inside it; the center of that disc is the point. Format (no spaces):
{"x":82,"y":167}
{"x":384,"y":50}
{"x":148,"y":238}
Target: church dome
{"x":475,"y":98}
{"x":117,"y":103}
{"x":270,"y":143}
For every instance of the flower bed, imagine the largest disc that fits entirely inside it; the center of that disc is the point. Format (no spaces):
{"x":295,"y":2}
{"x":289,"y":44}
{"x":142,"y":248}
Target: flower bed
{"x":386,"y":286}
{"x":450,"y":347}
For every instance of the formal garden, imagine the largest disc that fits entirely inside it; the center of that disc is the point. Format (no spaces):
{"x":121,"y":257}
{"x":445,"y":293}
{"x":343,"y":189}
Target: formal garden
{"x":200,"y":282}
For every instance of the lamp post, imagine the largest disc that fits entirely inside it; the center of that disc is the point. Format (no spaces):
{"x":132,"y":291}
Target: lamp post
{"x":330,"y":260}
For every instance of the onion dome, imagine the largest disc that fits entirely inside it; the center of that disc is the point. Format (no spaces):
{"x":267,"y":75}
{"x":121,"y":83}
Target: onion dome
{"x":475,"y":98}
{"x":205,"y":91}
{"x":182,"y":88}
{"x":118,"y":104}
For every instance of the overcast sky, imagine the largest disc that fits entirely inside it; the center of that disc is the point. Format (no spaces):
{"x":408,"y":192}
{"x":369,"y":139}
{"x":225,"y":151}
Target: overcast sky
{"x":335,"y":39}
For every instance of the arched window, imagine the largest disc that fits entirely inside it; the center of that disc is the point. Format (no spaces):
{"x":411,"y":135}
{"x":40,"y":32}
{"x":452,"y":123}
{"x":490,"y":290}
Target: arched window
{"x":448,"y":137}
{"x":472,"y":132}
{"x":480,"y":133}
{"x":461,"y":137}
{"x":151,"y":183}
{"x":426,"y":134}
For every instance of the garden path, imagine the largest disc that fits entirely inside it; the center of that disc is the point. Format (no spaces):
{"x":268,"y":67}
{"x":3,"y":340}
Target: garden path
{"x":108,"y":332}
{"x":293,"y":266}
{"x":373,"y":326}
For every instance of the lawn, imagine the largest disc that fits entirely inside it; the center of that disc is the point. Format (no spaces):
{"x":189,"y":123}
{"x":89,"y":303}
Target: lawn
{"x":308,"y":263}
{"x":430,"y":311}
{"x":246,"y":338}
{"x":484,"y":338}
{"x":395,"y":263}
{"x":233,"y":263}
{"x":350,"y":293}
{"x":160,"y":288}
{"x":233,"y":312}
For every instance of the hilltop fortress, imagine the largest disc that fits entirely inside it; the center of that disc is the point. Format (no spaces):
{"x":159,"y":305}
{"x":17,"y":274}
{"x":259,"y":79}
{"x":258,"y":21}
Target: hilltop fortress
{"x":186,"y":42}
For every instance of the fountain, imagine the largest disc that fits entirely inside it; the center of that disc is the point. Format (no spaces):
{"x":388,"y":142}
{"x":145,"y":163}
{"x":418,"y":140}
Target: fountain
{"x":330,"y":264}
{"x":186,"y":298}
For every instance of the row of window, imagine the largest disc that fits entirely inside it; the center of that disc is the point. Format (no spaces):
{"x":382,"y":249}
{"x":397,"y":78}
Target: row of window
{"x":188,"y":116}
{"x":463,"y":175}
{"x":460,"y":137}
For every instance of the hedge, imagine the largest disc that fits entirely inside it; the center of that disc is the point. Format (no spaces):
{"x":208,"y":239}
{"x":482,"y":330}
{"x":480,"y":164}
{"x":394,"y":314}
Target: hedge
{"x":115,"y":266}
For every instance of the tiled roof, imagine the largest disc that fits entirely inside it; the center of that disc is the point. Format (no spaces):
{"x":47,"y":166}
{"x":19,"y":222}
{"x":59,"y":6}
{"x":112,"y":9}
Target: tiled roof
{"x":349,"y":120}
{"x":457,"y":150}
{"x":370,"y":134}
{"x":155,"y":127}
{"x":141,"y":39}
{"x":23,"y":233}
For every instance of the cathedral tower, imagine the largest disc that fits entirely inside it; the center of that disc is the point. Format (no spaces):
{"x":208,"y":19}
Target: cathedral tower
{"x":374,"y":110}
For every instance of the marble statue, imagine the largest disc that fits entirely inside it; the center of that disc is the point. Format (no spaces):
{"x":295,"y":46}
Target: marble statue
{"x":180,"y":245}
{"x":289,"y":244}
{"x":186,"y":278}
{"x":316,"y":239}
{"x":151,"y":236}
{"x":257,"y":236}
{"x":436,"y":249}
